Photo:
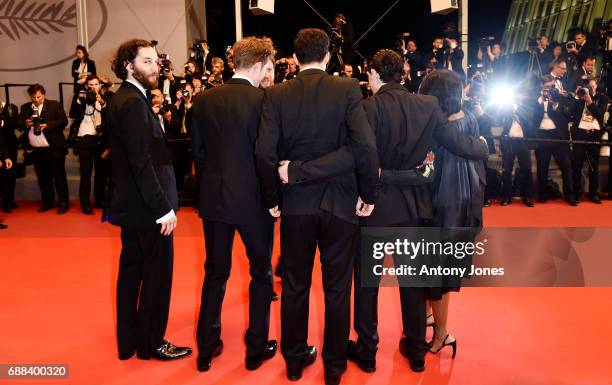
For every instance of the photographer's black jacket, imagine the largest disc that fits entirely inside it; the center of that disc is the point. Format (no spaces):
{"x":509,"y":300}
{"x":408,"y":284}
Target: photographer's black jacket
{"x":597,"y":109}
{"x":54,"y":116}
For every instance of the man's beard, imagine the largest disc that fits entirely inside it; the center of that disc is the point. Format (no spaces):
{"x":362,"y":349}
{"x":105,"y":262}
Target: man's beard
{"x":143,"y":78}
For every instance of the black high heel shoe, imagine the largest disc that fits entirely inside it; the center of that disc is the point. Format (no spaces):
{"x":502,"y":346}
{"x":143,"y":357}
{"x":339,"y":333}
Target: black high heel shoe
{"x":451,"y":344}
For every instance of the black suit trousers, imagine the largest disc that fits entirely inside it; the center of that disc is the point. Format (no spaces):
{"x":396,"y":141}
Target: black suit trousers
{"x":412,"y":300}
{"x":49,"y":164}
{"x":258,"y":240}
{"x":337,"y":240}
{"x":89,"y":159}
{"x":516,"y":148}
{"x":143,"y":289}
{"x":561,"y":152}
{"x":590,"y":154}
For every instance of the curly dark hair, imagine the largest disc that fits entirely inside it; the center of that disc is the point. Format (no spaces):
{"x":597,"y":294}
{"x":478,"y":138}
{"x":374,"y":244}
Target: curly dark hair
{"x":311,"y":45}
{"x":447,"y":87}
{"x":127,"y":52}
{"x":388,"y":64}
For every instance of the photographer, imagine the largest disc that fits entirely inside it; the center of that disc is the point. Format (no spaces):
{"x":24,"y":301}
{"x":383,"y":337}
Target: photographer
{"x":494,"y":61}
{"x":183,"y":106}
{"x":283,"y":70}
{"x":88,"y":127}
{"x":559,"y":70}
{"x":550,"y":121}
{"x":9,"y":122}
{"x":516,"y":127}
{"x":436,"y":56}
{"x":44,"y":122}
{"x":199,"y":53}
{"x":579,"y":49}
{"x":411,"y":54}
{"x":454,"y":58}
{"x":215,"y":77}
{"x":587,"y":70}
{"x":169,"y":84}
{"x":588,"y":124}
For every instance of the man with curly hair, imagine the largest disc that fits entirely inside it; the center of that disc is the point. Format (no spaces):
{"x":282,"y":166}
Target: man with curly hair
{"x":143,"y":204}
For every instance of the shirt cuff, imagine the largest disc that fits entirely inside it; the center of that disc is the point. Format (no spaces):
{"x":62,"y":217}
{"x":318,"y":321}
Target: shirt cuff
{"x":166,"y":217}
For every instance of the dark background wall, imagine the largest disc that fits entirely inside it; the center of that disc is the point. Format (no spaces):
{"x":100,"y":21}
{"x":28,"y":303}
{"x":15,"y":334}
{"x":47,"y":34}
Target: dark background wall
{"x":414,"y":16}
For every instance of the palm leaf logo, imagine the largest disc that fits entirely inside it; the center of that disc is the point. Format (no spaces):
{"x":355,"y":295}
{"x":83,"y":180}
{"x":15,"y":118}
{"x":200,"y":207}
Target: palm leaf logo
{"x":27,"y":17}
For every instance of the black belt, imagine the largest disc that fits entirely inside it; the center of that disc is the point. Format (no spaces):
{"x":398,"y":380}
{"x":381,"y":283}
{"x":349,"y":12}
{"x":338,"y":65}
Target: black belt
{"x":405,"y":177}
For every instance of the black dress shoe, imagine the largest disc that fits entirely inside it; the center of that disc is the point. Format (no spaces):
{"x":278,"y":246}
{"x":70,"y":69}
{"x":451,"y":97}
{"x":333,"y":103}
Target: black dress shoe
{"x":332,"y":378}
{"x":167,"y":352}
{"x":3,"y":226}
{"x":44,"y":207}
{"x":528,"y":202}
{"x":204,"y":363}
{"x":595,"y":199}
{"x":572,"y":202}
{"x":7,"y":208}
{"x":367,"y":366}
{"x":87,"y":210}
{"x":126,"y":356}
{"x":294,"y":373}
{"x":542,"y":200}
{"x":505,"y":202}
{"x":417,"y":364}
{"x":253,"y":363}
{"x":487,"y":203}
{"x":274,"y":296}
{"x":62,"y":209}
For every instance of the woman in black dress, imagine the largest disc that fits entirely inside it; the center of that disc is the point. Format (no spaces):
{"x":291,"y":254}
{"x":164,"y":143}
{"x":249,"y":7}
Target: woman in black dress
{"x":82,"y":67}
{"x":458,"y":191}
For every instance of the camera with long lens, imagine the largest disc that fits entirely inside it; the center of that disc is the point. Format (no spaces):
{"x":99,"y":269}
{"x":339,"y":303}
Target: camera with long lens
{"x":165,"y":65}
{"x":87,"y":97}
{"x":217,"y":80}
{"x":188,"y":74}
{"x":582,"y":92}
{"x":552,"y":94}
{"x":36,"y":121}
{"x":198,"y":51}
{"x":165,"y":108}
{"x":281,"y":66}
{"x":570,"y":45}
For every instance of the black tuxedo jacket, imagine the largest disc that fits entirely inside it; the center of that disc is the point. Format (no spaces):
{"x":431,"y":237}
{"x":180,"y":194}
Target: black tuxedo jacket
{"x":407,"y":127}
{"x":305,"y":118}
{"x":143,"y":187}
{"x":560,"y":117}
{"x":456,"y":60}
{"x":3,"y":151}
{"x":597,"y":109}
{"x":224,"y":127}
{"x":54,"y":116}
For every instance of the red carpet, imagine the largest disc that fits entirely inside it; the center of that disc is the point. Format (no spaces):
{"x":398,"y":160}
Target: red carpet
{"x":57,"y":306}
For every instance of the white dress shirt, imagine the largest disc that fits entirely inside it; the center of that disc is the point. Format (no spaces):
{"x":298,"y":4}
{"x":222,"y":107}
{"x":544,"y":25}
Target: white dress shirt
{"x":547,"y":122}
{"x":38,"y":141}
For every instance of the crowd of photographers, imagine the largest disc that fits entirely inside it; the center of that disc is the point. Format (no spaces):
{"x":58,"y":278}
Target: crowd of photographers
{"x":557,"y":111}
